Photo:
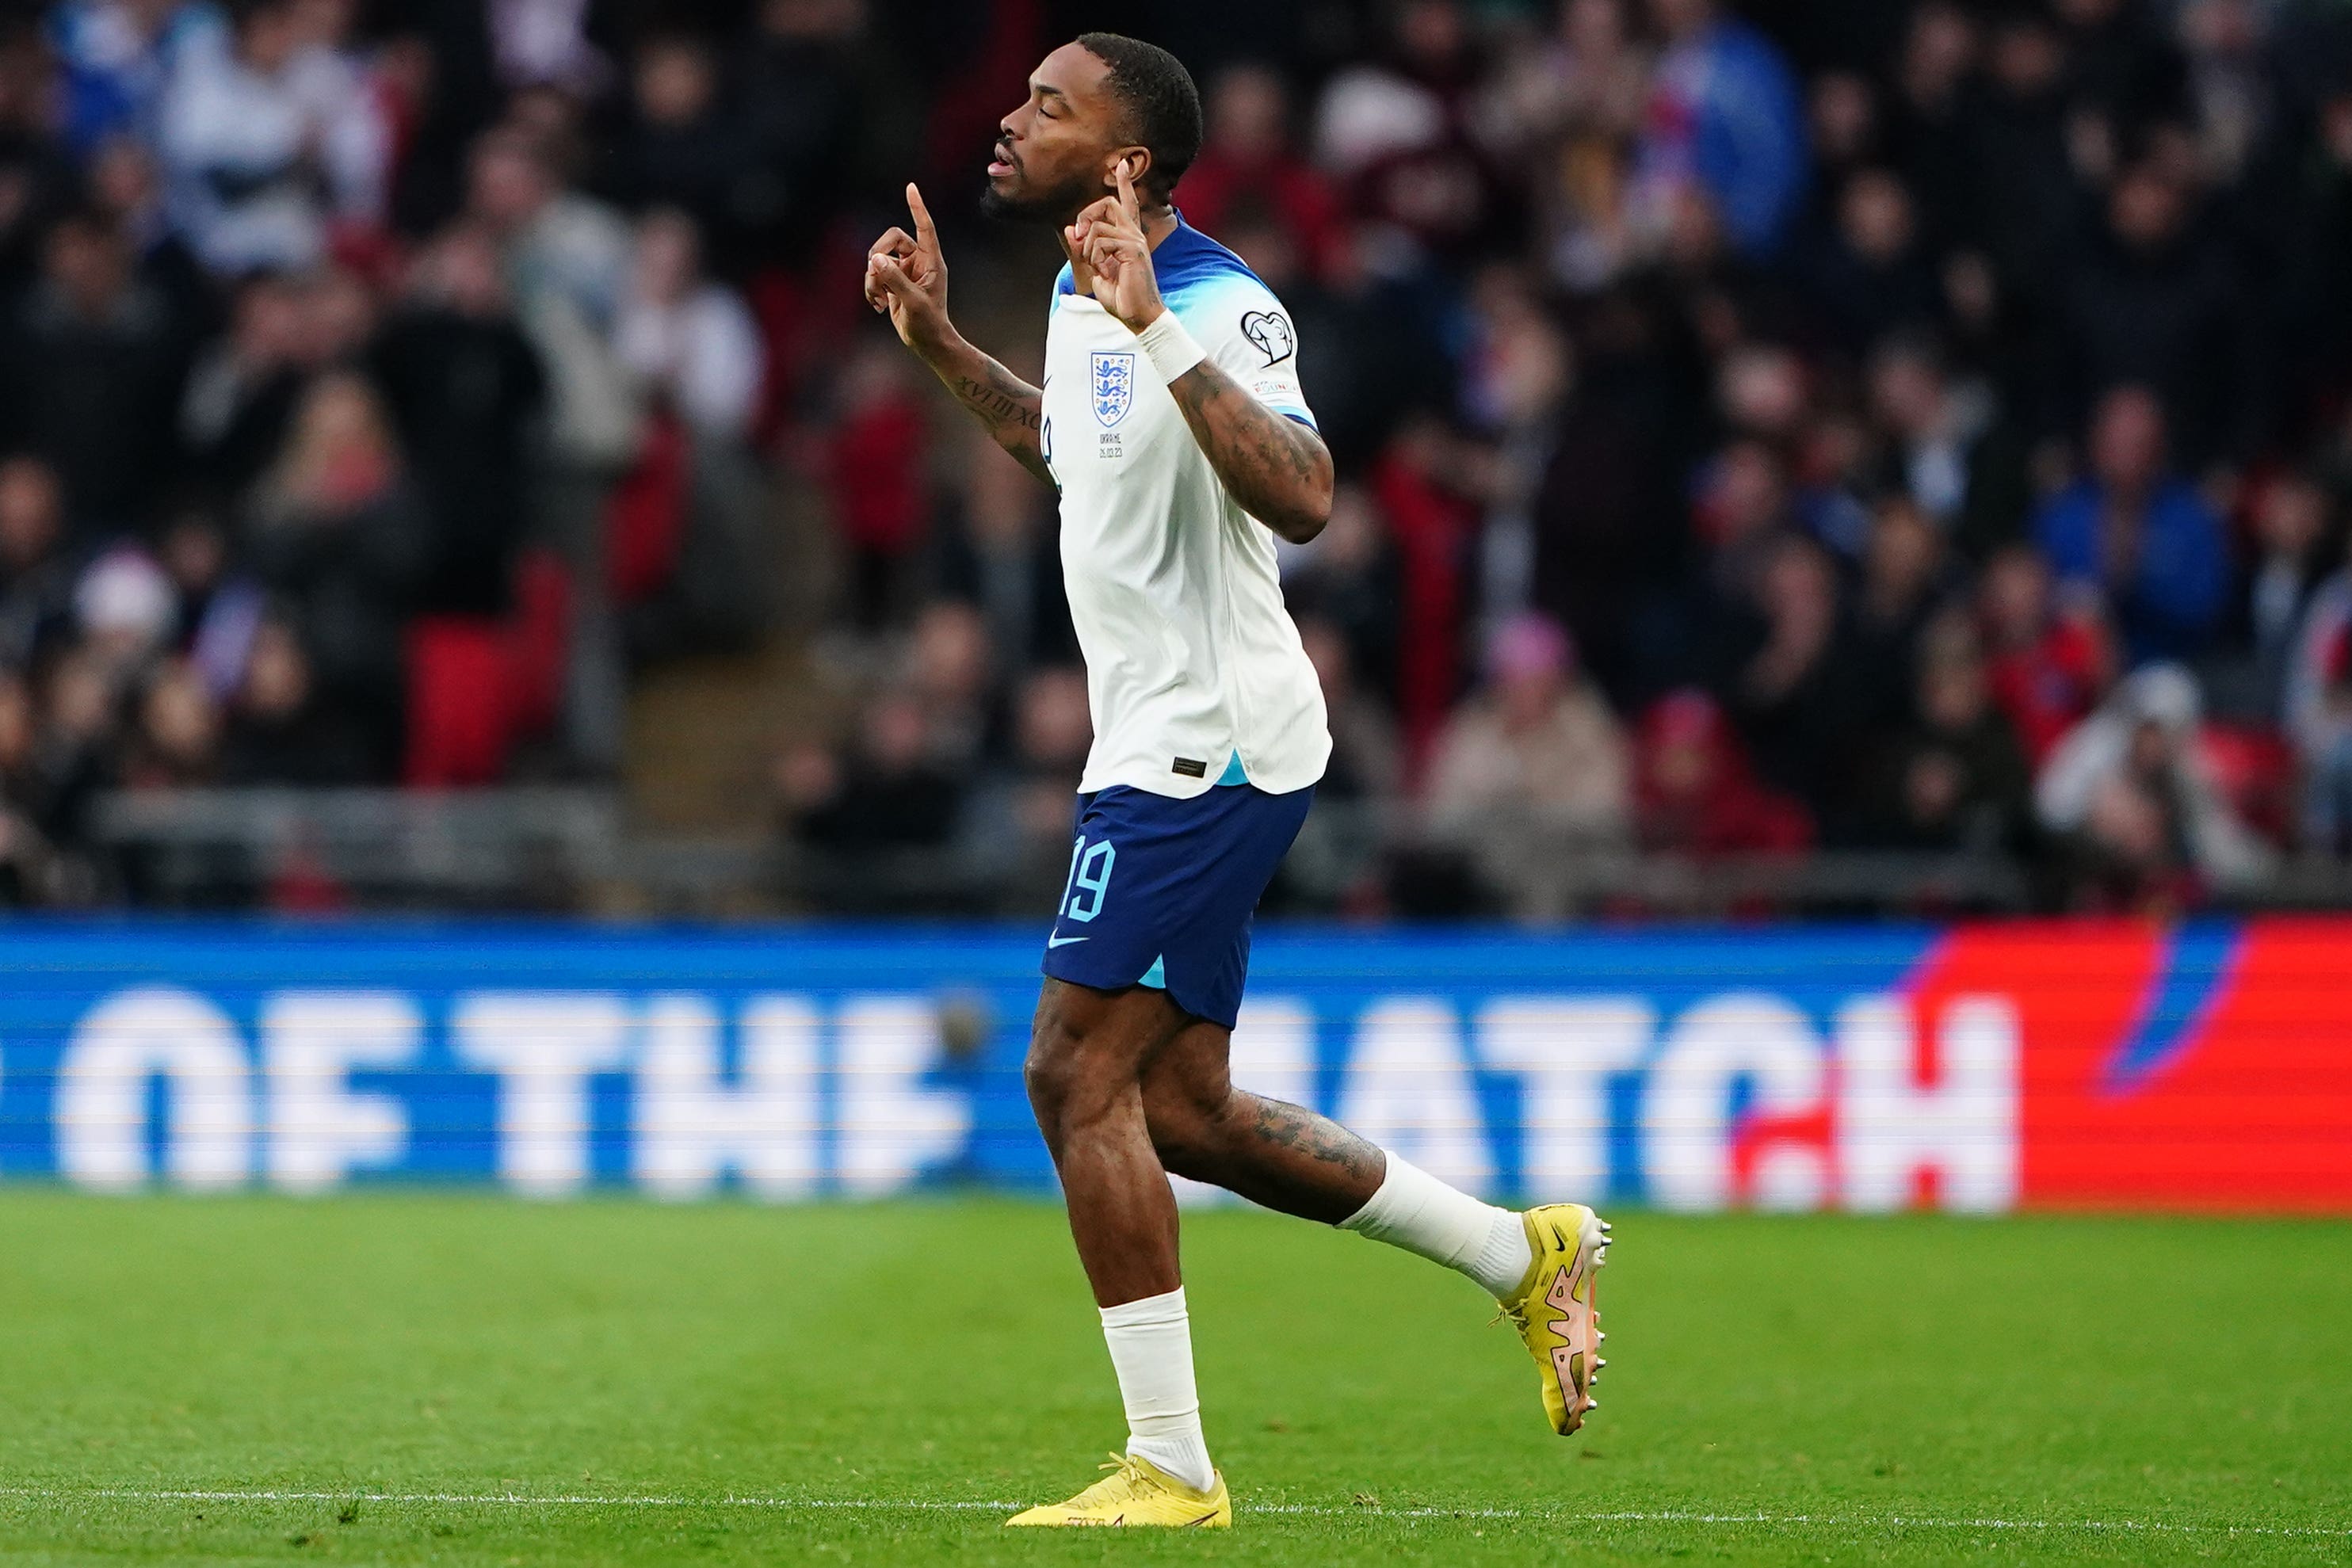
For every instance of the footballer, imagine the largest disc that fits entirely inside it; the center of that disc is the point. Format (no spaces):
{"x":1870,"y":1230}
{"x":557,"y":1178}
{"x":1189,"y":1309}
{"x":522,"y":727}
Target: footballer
{"x":1171,"y":424}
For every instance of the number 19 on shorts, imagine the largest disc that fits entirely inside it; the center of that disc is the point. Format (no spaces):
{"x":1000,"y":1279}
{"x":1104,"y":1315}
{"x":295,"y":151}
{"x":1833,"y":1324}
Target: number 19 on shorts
{"x":1090,"y":879}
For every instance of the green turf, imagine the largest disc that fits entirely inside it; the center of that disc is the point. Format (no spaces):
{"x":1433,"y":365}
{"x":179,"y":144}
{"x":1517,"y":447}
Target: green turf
{"x":2114,"y":1390}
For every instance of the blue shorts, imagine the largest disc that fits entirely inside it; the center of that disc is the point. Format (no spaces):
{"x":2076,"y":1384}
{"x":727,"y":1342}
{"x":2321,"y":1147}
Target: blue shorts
{"x":1160,"y":891}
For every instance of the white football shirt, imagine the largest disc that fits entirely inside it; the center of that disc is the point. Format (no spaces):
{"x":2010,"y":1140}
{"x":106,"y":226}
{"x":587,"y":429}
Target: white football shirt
{"x":1194,"y":670}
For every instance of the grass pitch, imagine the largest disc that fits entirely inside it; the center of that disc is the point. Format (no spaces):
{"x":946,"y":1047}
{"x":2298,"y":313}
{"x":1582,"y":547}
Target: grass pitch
{"x":463,"y":1380}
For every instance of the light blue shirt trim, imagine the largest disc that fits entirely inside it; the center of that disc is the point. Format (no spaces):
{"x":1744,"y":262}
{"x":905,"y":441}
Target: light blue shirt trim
{"x":1232,"y":773}
{"x":1156,"y":977}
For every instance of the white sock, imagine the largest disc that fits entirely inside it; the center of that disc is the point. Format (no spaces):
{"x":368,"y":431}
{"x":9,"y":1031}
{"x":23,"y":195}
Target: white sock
{"x":1151,"y":1347}
{"x":1416,"y":1211}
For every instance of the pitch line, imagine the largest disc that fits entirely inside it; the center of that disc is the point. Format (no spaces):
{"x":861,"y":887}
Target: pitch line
{"x":1320,"y":1510}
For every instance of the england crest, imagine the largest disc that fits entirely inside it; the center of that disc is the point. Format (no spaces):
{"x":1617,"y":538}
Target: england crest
{"x":1114,"y":381}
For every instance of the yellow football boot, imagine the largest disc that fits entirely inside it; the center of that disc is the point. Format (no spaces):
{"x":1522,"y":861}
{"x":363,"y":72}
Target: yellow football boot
{"x":1555,"y":1311}
{"x":1137,"y":1492}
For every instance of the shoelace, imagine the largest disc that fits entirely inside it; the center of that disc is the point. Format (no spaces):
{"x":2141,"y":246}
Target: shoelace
{"x":1127,"y":1471}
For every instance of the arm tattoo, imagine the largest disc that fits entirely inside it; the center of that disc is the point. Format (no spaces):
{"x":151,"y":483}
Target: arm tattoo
{"x":1318,"y":1137}
{"x":999,"y":400}
{"x":1274,"y":466}
{"x":1013,"y":410}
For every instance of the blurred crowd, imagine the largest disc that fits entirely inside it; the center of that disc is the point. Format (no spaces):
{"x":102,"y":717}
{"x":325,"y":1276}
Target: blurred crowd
{"x":382,"y":386}
{"x":1917,"y":425}
{"x":1875,"y":425}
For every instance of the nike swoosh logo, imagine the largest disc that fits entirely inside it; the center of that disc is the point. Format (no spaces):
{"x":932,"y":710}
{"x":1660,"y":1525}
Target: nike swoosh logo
{"x":1062,"y":941}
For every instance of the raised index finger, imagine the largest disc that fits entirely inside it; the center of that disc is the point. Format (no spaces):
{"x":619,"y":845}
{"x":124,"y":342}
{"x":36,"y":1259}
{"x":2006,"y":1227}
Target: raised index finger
{"x":923,"y":229}
{"x":1126,"y":194}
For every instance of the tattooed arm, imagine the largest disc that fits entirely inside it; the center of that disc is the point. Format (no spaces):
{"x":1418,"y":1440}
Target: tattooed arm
{"x":1278,"y":470}
{"x":907,"y":279}
{"x":1010,"y":407}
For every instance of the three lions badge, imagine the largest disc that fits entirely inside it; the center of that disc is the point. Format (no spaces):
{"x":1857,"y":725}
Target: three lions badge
{"x":1114,"y":386}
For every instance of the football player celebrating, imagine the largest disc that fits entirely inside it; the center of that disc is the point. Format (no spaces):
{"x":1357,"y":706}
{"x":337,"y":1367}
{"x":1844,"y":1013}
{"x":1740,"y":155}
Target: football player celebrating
{"x":1172,"y":426}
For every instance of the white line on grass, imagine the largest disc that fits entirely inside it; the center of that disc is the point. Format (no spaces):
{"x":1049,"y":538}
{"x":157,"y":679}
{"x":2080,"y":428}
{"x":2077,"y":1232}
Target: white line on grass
{"x":922,"y":1505}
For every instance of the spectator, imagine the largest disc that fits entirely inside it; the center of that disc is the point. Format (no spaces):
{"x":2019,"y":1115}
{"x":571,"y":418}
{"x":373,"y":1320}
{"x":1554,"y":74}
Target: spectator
{"x":1947,"y":447}
{"x":2313,"y":252}
{"x":73,"y":754}
{"x":680,"y":145}
{"x":1726,"y":120}
{"x":1570,"y":113}
{"x":92,"y":375}
{"x":545,"y":47}
{"x":1376,"y":109}
{"x":1247,"y":161}
{"x":873,"y":464}
{"x":176,"y":743}
{"x":218,"y":606}
{"x":2139,"y":535}
{"x":466,"y":390}
{"x":886,"y":795}
{"x":242,"y":390}
{"x":1614,"y":553}
{"x":2129,"y":789}
{"x":334,"y":537}
{"x":1955,"y":779}
{"x":2150,"y":304}
{"x":1535,"y":767}
{"x":1872,"y":274}
{"x":279,"y":732}
{"x":2125,"y":69}
{"x":1795,"y":695}
{"x":1054,"y":731}
{"x":690,"y":339}
{"x":1422,"y":489}
{"x":2026,"y":194}
{"x":2291,"y":528}
{"x":1397,"y":134}
{"x":126,"y":192}
{"x":2317,"y":713}
{"x":1695,"y":796}
{"x":2049,"y":663}
{"x":566,"y":259}
{"x":950,"y":674}
{"x":268,"y":140}
{"x":27,"y":860}
{"x":1904,"y":583}
{"x":36,"y":574}
{"x":1589,"y":78}
{"x":116,"y":58}
{"x":993,"y":547}
{"x":1367,"y":758}
{"x":1016,"y":829}
{"x":124,"y":610}
{"x":821,"y":111}
{"x":1937,"y":85}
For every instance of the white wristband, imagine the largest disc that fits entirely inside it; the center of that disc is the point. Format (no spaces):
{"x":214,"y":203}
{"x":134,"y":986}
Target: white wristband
{"x":1169,"y":347}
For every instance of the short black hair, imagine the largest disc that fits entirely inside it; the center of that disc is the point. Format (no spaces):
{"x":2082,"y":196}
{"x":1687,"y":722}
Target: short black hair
{"x":1161,"y":98}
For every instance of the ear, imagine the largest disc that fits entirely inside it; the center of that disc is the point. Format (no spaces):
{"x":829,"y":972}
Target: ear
{"x":1139,"y":169}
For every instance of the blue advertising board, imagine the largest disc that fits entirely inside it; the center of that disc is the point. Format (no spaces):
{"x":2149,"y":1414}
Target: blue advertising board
{"x":797,"y":1061}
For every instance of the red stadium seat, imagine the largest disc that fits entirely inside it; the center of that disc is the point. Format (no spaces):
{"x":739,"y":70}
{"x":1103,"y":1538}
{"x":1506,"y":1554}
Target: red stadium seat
{"x":477,"y":685}
{"x":459,"y":702}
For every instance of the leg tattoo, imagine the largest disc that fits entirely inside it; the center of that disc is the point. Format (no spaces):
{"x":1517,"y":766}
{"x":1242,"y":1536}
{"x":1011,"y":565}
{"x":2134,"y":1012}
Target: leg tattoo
{"x":1319,"y":1138}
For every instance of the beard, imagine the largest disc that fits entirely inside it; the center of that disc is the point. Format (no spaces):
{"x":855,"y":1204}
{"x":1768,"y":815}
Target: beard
{"x":1023,"y":204}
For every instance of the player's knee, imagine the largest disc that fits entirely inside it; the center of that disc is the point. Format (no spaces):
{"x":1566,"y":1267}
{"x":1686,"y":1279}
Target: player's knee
{"x":1048,"y":1073}
{"x":1067,"y":1080}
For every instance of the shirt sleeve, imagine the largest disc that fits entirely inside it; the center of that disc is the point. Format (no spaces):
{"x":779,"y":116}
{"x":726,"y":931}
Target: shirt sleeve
{"x":1252,"y":339}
